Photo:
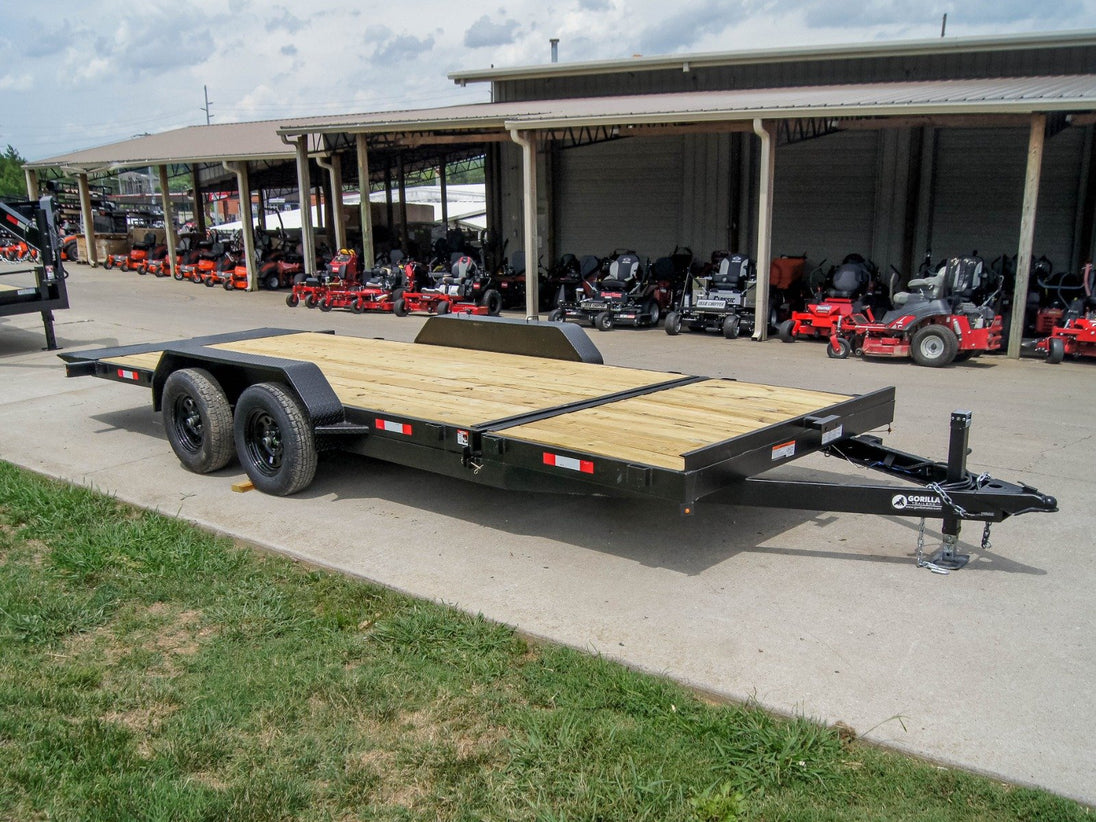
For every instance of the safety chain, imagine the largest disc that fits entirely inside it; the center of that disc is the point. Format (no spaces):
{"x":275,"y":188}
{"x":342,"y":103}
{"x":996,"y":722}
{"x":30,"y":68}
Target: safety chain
{"x":921,"y":561}
{"x":946,"y":499}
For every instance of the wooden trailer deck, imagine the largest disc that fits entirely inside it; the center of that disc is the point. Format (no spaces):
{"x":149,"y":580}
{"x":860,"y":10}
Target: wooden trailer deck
{"x":470,"y":388}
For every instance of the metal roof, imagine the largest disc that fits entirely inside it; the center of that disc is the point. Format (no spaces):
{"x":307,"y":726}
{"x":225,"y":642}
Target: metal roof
{"x":194,"y":144}
{"x":855,"y":51}
{"x":931,"y":97}
{"x":467,"y":116}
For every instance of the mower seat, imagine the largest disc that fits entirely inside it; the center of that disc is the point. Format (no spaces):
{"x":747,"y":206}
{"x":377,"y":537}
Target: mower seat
{"x":929,"y":288}
{"x":730,"y":274}
{"x":848,"y":280}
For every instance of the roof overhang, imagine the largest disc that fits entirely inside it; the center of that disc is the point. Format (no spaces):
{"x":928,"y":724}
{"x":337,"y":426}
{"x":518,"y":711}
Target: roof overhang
{"x":856,"y":51}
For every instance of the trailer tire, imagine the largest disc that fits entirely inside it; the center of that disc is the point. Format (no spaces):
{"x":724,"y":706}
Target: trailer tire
{"x":731,"y":328}
{"x":292,"y":300}
{"x":1056,"y":350}
{"x":784,"y":331}
{"x":838,"y":349}
{"x":399,"y":307}
{"x":274,"y":440}
{"x":198,"y":420}
{"x":933,"y":346}
{"x":673,"y":323}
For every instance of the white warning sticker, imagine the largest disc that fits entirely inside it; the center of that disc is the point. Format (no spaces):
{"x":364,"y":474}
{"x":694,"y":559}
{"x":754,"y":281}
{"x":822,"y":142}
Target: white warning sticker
{"x":832,"y":434}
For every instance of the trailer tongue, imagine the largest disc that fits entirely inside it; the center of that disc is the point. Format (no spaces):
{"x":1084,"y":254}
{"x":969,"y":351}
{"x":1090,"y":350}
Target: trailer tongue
{"x":530,"y":407}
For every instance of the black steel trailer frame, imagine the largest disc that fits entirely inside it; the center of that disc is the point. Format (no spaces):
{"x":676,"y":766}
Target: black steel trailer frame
{"x":727,"y":471}
{"x":34,"y":223}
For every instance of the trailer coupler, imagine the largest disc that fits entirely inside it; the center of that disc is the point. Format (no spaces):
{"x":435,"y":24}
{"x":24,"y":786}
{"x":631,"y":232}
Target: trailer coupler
{"x":948,"y":491}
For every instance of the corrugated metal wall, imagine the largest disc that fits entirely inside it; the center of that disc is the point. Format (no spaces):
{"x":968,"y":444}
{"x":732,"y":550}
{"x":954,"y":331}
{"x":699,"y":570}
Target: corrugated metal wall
{"x":979,"y":189}
{"x":824,"y":197}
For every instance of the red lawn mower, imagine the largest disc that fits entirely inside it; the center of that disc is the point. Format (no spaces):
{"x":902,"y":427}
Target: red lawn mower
{"x":341,"y":277}
{"x":1076,"y":335}
{"x":849,"y":288}
{"x":948,"y":317}
{"x":465,"y":288}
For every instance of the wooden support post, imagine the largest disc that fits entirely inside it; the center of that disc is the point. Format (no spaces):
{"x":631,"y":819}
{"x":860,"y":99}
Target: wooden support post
{"x":304,"y":187}
{"x":401,"y":180}
{"x":1027,"y":232}
{"x":32,"y":183}
{"x":89,"y":219}
{"x":169,"y":217}
{"x":368,"y":252}
{"x":767,"y":168}
{"x":247,"y":222}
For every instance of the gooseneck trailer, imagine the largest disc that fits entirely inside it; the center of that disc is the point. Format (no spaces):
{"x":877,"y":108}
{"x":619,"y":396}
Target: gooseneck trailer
{"x":34,"y":224}
{"x":531,"y":407}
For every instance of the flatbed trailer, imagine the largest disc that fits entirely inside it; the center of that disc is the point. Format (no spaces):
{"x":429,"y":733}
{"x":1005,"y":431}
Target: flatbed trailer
{"x":531,"y":407}
{"x":44,"y":290}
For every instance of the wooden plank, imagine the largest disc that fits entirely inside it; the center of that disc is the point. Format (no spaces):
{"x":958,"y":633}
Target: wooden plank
{"x":147,"y":361}
{"x":12,"y":287}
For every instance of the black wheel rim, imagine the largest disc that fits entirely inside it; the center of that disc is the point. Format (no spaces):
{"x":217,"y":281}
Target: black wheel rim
{"x":264,"y":442}
{"x":188,"y":423}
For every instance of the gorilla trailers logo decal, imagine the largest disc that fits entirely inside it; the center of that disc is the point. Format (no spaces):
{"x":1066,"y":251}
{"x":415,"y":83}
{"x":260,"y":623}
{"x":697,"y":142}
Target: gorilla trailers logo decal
{"x":915,"y":502}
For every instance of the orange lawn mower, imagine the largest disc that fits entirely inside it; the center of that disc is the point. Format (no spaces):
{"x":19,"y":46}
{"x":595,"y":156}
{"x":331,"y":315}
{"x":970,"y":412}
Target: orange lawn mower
{"x":136,"y":257}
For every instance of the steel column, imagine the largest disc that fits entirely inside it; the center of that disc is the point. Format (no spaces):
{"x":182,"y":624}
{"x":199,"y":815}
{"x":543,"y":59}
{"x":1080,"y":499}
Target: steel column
{"x":304,"y":186}
{"x":528,"y":142}
{"x":764,"y":227}
{"x":169,"y":217}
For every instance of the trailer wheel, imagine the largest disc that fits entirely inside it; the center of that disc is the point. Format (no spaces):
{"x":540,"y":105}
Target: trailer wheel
{"x":292,"y":300}
{"x":731,"y":327}
{"x":274,"y":440}
{"x":933,"y":346}
{"x":603,"y":321}
{"x":1056,"y":350}
{"x":492,"y":300}
{"x":555,"y":315}
{"x":838,"y":349}
{"x":198,"y":420}
{"x":399,"y":307}
{"x":673,"y":323}
{"x":784,"y":331}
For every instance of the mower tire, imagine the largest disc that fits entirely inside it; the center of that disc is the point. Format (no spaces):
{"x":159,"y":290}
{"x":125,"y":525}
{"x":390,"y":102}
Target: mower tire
{"x":933,"y":346}
{"x":108,"y":263}
{"x":142,"y":269}
{"x":443,"y":307}
{"x":326,"y":305}
{"x":555,"y":315}
{"x":838,"y":349}
{"x":492,"y":301}
{"x":399,"y":307}
{"x":785,"y":331}
{"x":292,"y":300}
{"x":672,"y":323}
{"x":604,"y":321}
{"x":653,"y":312}
{"x":310,"y":301}
{"x":272,"y":282}
{"x":731,"y":327}
{"x":177,"y":274}
{"x":208,"y":282}
{"x":274,"y":439}
{"x":227,"y":284}
{"x":357,"y":306}
{"x":1056,"y":350}
{"x":198,"y":420}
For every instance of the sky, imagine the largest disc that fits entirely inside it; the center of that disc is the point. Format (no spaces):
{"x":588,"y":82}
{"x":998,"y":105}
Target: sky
{"x":78,"y":73}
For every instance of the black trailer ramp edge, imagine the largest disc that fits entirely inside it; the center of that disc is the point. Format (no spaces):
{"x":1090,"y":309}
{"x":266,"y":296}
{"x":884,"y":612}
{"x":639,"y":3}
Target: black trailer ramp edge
{"x":557,"y":341}
{"x":92,"y":354}
{"x":35,"y":223}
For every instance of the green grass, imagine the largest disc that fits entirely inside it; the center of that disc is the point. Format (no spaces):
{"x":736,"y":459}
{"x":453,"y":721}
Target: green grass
{"x":149,"y":670}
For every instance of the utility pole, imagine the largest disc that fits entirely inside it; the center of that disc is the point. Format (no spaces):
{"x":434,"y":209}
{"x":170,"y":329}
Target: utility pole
{"x":944,"y":25}
{"x":205,"y":108}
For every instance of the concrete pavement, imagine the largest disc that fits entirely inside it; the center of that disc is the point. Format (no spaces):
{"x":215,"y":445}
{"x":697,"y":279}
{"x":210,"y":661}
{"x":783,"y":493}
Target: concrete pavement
{"x":823,"y":615}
